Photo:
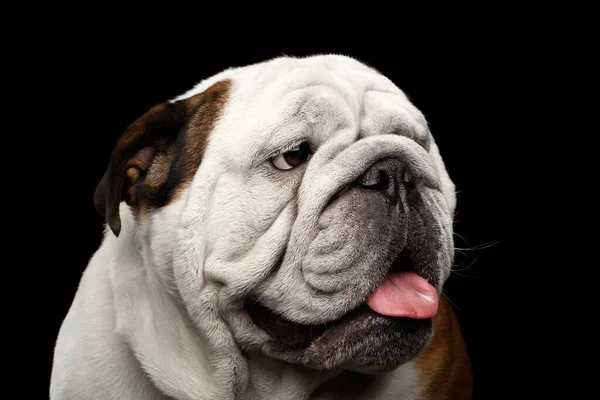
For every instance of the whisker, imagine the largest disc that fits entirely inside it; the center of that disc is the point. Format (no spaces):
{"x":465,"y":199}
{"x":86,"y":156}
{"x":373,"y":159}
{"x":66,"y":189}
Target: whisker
{"x":482,"y":246}
{"x":460,"y":236}
{"x":461,"y":269}
{"x":460,"y":251}
{"x":450,"y":301}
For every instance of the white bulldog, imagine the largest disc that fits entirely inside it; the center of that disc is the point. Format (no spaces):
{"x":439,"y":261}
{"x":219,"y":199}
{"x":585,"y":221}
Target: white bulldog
{"x":280,"y":231}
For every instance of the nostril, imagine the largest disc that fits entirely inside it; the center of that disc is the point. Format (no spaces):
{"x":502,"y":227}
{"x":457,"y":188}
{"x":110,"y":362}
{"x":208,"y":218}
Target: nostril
{"x":374,"y":178}
{"x":380,"y":182}
{"x":390,"y":177}
{"x":408,"y":180}
{"x":384,"y":179}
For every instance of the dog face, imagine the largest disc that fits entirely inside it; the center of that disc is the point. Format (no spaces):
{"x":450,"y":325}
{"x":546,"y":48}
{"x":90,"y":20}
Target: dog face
{"x":286,"y":205}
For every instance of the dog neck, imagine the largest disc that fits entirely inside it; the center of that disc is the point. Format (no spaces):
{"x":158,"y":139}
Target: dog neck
{"x":152,"y":320}
{"x":274,"y":379}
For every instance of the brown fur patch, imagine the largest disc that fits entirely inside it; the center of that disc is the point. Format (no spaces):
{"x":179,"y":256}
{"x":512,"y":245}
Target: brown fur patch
{"x":192,"y":146}
{"x":444,"y":366}
{"x":158,"y":155}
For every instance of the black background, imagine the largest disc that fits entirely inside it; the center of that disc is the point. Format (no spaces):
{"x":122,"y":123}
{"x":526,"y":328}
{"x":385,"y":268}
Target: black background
{"x":469,"y":88}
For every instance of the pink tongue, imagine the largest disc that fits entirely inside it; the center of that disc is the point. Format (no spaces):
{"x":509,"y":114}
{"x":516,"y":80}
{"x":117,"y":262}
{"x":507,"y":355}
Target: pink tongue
{"x":404,"y":294}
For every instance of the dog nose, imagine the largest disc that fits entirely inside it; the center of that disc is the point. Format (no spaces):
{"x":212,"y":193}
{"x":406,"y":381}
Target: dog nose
{"x":389,"y":177}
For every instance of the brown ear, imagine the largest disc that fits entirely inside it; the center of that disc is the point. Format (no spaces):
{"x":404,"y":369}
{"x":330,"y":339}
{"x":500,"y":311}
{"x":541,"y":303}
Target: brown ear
{"x":158,"y":153}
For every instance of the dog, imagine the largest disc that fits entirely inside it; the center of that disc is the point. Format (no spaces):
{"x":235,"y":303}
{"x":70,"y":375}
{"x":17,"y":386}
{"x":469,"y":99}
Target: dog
{"x":280,"y":231}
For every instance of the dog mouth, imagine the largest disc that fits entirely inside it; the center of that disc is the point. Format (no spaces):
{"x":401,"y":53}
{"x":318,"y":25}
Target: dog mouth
{"x":292,"y":335}
{"x":403,"y":298}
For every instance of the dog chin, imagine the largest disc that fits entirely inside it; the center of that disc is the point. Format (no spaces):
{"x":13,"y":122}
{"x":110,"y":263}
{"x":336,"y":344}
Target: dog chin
{"x":361,"y":341}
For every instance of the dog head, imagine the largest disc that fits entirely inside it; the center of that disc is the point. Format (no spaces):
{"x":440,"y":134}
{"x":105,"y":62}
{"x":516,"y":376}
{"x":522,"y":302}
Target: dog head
{"x":297,"y":207}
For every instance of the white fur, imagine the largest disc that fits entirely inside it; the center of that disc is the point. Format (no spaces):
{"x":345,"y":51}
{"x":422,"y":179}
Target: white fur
{"x":157,"y":313}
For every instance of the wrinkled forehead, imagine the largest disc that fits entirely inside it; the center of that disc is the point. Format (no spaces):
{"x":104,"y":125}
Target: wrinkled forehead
{"x":284,"y":101}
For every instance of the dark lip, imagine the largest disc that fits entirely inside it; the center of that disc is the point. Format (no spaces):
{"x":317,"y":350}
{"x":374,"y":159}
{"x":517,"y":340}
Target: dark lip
{"x":321,"y":342}
{"x":291,"y":335}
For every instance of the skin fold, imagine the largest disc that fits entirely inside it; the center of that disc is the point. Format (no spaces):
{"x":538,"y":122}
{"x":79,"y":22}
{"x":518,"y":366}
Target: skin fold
{"x":209,"y":245}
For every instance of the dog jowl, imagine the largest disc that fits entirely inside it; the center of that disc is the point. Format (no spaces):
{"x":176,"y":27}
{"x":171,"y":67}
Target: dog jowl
{"x":281,"y":230}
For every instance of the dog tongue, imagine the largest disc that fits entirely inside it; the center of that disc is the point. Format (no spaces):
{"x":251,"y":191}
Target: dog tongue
{"x":404,"y":294}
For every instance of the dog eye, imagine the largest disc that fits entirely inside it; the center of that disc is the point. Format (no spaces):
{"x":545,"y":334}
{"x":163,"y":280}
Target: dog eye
{"x":293,"y":158}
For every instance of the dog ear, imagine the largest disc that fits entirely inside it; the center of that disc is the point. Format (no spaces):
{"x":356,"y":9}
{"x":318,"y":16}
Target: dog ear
{"x":152,"y":157}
